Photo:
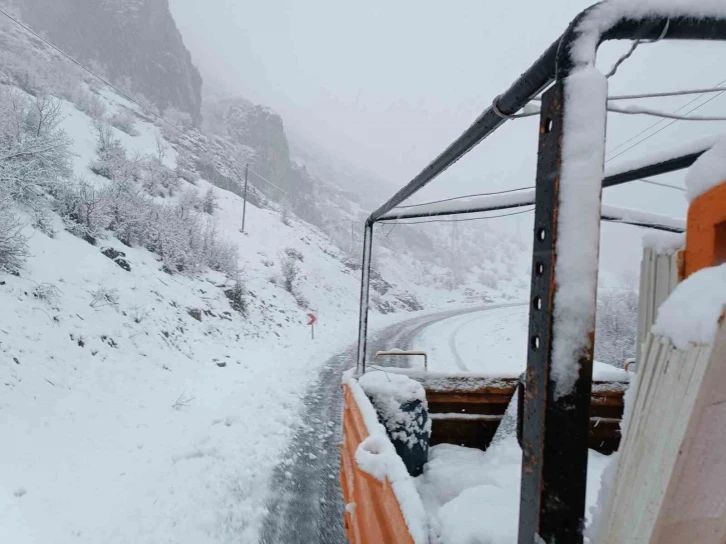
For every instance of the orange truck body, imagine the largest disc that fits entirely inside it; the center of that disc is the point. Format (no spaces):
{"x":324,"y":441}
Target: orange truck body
{"x":706,"y":230}
{"x":373,"y":514}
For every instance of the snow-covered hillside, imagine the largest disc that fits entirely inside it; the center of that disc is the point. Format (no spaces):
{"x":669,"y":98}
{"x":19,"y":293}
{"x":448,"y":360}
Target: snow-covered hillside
{"x":145,"y":400}
{"x":140,"y":406}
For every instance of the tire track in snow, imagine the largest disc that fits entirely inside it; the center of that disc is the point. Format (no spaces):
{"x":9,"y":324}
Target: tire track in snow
{"x":458,"y":360}
{"x":305,"y":504}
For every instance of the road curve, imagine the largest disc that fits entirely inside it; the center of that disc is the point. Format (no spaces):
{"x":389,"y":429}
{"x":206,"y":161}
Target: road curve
{"x":306,"y":505}
{"x":453,"y":339}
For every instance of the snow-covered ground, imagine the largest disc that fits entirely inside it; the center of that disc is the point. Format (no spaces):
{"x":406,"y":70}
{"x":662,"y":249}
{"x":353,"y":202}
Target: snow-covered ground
{"x":491,"y":341}
{"x":124,"y":417}
{"x":139,"y":406}
{"x":473,"y":496}
{"x":135,"y":422}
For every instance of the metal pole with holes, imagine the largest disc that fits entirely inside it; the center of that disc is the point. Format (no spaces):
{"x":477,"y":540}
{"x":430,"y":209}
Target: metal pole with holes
{"x":555,"y":428}
{"x":365,"y":285}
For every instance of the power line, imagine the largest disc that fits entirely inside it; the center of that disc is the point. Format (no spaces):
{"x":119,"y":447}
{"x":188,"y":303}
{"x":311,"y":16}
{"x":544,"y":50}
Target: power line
{"x":661,"y":121}
{"x":660,"y":184}
{"x":664,"y":127}
{"x":636,"y":110}
{"x":665,"y":94}
{"x":263,"y":178}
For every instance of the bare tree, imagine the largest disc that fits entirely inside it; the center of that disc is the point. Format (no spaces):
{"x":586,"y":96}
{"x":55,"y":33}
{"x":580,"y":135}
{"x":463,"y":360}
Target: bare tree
{"x":617,"y":325}
{"x":45,"y":114}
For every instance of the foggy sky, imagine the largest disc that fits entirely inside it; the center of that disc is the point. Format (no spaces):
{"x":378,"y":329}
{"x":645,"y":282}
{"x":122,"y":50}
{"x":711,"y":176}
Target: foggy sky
{"x":387,"y":85}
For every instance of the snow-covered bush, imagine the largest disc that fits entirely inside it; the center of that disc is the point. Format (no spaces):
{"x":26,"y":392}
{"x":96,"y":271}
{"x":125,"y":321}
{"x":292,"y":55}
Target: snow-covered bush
{"x":111,"y":161}
{"x":34,"y":161}
{"x":13,"y":245}
{"x":43,"y":221}
{"x":294,"y":253}
{"x":209,"y":204}
{"x":158,"y":179}
{"x":290,"y":272}
{"x":104,"y":296}
{"x":617,"y":326}
{"x":285,"y":214}
{"x":186,"y":167}
{"x":219,"y":254}
{"x":127,"y":211}
{"x":90,"y":104}
{"x":237,"y":295}
{"x":176,"y":236}
{"x":187,"y":243}
{"x":48,"y":293}
{"x":124,"y":121}
{"x":191,"y":200}
{"x":84,"y":209}
{"x":34,"y":151}
{"x":179,"y":233}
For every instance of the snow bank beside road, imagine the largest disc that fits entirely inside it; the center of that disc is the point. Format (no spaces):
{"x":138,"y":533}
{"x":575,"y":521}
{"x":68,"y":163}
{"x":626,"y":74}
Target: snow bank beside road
{"x":473,"y":496}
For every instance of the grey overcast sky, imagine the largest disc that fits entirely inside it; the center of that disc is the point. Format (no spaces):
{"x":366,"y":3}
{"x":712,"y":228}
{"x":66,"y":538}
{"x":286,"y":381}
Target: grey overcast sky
{"x":387,"y":85}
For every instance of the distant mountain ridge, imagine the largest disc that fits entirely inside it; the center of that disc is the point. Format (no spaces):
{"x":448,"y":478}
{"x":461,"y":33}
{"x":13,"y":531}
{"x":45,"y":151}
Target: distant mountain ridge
{"x":136,"y":41}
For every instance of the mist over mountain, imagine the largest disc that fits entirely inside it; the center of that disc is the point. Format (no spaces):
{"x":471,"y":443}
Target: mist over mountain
{"x":135,"y":42}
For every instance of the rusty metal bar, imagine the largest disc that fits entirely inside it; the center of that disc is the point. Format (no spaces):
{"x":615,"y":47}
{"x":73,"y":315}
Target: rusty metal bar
{"x":555,"y":429}
{"x":402,"y":352}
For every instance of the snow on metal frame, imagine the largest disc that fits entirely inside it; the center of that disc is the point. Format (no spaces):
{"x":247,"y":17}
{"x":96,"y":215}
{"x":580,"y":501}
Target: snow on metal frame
{"x":606,"y":15}
{"x":578,"y":218}
{"x":582,"y":171}
{"x":640,"y":218}
{"x":464,"y":205}
{"x":495,"y":202}
{"x":708,"y":171}
{"x":642,"y":162}
{"x":525,"y":197}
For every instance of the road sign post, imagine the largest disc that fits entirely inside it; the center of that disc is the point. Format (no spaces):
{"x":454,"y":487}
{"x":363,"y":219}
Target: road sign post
{"x":311,"y":321}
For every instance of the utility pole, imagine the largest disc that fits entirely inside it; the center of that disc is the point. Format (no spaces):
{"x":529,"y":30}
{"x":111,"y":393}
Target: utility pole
{"x":352,"y":237}
{"x":244,"y":203}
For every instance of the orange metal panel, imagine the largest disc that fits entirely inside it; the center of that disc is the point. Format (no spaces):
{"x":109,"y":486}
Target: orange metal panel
{"x":376,"y":517}
{"x":706,"y":230}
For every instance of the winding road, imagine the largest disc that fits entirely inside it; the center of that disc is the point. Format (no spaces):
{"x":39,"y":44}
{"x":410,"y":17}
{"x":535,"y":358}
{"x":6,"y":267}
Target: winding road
{"x":306,"y":505}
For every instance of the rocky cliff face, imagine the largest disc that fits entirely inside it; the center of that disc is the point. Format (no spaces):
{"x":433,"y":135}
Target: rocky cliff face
{"x":136,"y":41}
{"x":260,"y":130}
